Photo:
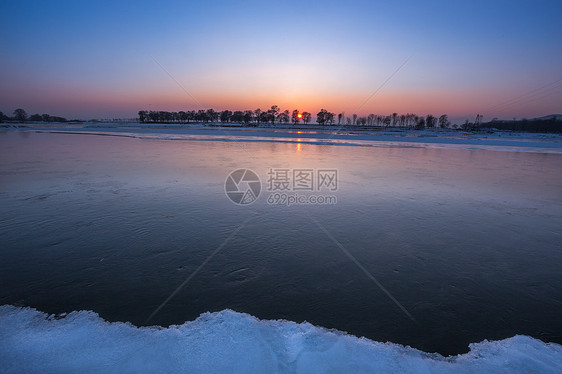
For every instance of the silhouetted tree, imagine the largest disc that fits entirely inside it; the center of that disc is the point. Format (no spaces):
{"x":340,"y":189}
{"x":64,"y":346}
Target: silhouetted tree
{"x":264,"y":117}
{"x":237,"y":116}
{"x":329,"y":118}
{"x":387,"y":120}
{"x":20,"y":115}
{"x":430,"y":121}
{"x":354,"y":118}
{"x":340,"y":116}
{"x":142,"y":115}
{"x":394,"y":119}
{"x":257,"y":114}
{"x":166,"y":116}
{"x":324,"y":117}
{"x":225,"y":115}
{"x":416,"y":120}
{"x":444,"y":121}
{"x":212,"y":115}
{"x":35,"y":118}
{"x":283,"y":117}
{"x":421,"y":123}
{"x":305,"y":117}
{"x":295,"y":116}
{"x":273,"y":113}
{"x":370,"y":119}
{"x":201,"y":116}
{"x":248,"y":115}
{"x":320,"y":116}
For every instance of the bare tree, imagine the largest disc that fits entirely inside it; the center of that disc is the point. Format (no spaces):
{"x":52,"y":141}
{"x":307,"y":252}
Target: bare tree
{"x":430,"y":121}
{"x":296,"y":116}
{"x":212,"y":115}
{"x":444,"y":121}
{"x":329,"y":117}
{"x":225,"y":115}
{"x":370,"y":119}
{"x":248,"y":115}
{"x":321,"y":117}
{"x":258,"y":115}
{"x":20,"y":115}
{"x":387,"y":120}
{"x":273,"y":113}
{"x":283,"y":117}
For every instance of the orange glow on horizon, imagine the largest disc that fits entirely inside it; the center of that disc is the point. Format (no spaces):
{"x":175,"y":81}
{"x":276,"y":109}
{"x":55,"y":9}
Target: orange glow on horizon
{"x":451,"y":102}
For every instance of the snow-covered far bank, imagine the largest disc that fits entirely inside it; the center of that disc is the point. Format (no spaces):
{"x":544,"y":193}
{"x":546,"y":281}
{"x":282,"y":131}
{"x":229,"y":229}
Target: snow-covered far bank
{"x":429,"y":138}
{"x":231,"y":342}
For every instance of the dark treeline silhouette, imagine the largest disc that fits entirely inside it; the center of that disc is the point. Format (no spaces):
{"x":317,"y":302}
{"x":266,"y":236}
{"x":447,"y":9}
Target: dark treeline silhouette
{"x":274,"y":115}
{"x":551,"y":123}
{"x":527,"y":125}
{"x":21,"y":116}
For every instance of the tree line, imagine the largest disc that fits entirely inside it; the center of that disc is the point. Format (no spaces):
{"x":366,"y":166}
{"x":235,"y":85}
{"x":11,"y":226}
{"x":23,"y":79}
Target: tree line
{"x":526,"y":125}
{"x":323,"y":117}
{"x":271,"y":115}
{"x":20,"y":115}
{"x":275,"y":115}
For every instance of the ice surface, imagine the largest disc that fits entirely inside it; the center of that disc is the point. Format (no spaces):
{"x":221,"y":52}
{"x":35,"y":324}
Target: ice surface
{"x":429,"y":138}
{"x":231,"y":342}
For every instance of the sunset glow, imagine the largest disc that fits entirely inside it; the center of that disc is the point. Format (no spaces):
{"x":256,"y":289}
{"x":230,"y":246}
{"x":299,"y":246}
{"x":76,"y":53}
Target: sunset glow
{"x":504,"y":61}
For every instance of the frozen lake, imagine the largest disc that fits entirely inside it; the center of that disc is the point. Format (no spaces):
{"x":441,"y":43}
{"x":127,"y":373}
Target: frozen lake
{"x":461,"y":245}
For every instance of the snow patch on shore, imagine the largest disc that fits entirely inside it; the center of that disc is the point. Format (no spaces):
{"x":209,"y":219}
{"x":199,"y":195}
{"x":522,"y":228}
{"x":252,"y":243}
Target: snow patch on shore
{"x":231,"y":342}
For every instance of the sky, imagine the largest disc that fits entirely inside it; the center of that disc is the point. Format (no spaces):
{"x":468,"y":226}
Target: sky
{"x":110,"y":59}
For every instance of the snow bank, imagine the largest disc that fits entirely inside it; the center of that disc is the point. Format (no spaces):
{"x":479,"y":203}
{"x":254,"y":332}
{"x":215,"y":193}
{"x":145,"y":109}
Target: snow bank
{"x":230,"y":342}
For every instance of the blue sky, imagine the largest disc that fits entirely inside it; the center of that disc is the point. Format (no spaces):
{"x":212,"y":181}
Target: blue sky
{"x":106,"y":59}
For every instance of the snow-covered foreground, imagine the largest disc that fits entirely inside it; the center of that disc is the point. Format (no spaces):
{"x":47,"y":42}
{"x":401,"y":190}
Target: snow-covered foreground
{"x":434,"y":138}
{"x":230,"y":342}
